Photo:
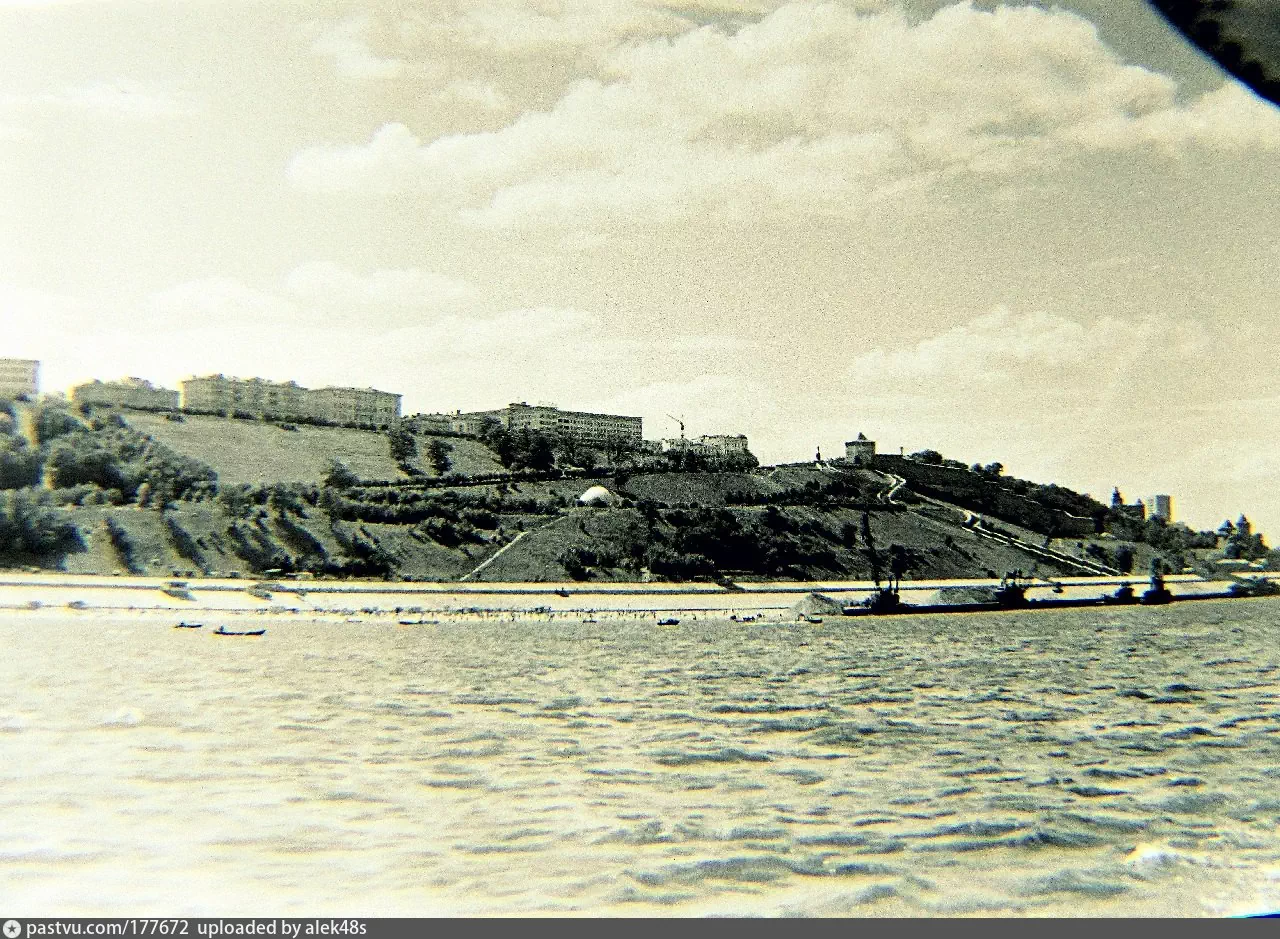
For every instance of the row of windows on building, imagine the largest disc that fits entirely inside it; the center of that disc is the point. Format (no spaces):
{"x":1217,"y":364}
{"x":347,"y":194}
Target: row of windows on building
{"x":221,"y":395}
{"x":584,"y":425}
{"x":19,"y":377}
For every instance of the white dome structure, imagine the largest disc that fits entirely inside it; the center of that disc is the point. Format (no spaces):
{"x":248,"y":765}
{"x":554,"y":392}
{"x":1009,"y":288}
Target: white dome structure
{"x":597,"y":495}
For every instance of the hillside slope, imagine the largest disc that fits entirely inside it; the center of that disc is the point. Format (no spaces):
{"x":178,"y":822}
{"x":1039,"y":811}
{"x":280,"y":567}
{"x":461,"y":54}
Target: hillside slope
{"x":143,"y":494}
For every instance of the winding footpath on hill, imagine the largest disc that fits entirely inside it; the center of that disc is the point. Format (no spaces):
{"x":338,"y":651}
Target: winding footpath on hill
{"x":973,"y":523}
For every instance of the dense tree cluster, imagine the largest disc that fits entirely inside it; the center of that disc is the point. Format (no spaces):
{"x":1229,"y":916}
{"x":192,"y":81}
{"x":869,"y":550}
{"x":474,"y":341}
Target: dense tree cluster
{"x":31,"y":529}
{"x":114,"y":456}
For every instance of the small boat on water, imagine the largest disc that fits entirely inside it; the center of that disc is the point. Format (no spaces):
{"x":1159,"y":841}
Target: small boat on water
{"x":223,"y":631}
{"x":669,"y":621}
{"x":185,"y":625}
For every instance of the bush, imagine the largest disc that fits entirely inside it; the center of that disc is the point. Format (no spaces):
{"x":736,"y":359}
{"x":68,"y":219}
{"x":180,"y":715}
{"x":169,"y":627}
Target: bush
{"x":53,"y":422}
{"x":185,"y":543}
{"x":124,"y":546}
{"x":20,"y":466}
{"x":339,"y":476}
{"x":32,"y":532}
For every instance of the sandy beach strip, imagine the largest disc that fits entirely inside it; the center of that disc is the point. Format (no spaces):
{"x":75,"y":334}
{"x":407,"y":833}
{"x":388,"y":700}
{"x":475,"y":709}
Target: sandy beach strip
{"x":30,"y":592}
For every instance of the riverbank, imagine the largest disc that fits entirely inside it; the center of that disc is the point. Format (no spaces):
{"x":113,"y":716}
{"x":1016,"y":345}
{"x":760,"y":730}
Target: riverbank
{"x":26,"y":592}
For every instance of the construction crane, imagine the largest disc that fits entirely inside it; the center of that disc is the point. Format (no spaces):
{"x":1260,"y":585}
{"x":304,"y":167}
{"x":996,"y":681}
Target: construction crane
{"x":679,"y":421}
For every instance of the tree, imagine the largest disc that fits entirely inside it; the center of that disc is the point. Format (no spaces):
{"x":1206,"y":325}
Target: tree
{"x":993,"y":469}
{"x":1117,"y":500}
{"x":339,"y":475}
{"x":541,"y":456}
{"x":927,"y":456}
{"x":439,"y":454}
{"x":404,"y":446}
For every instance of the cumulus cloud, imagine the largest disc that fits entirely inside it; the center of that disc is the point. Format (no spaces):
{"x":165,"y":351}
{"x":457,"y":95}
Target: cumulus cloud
{"x":346,"y":46}
{"x":814,"y":108}
{"x":1075,"y":365}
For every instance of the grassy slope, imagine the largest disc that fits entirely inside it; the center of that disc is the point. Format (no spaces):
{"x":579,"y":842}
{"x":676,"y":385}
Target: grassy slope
{"x":99,"y":556}
{"x":255,"y":452}
{"x":246,"y":451}
{"x":468,"y":457}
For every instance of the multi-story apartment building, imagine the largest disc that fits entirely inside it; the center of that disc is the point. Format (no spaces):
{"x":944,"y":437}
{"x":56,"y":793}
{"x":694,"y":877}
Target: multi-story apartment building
{"x":354,"y":405}
{"x":289,"y":400}
{"x":127,"y":393}
{"x":455,"y":423}
{"x":255,"y":396}
{"x":19,"y":377}
{"x":724,"y":444}
{"x":583,"y":425}
{"x":709,"y":444}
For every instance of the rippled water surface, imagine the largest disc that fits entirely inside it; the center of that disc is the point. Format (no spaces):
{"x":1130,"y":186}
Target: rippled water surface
{"x":1076,"y":762}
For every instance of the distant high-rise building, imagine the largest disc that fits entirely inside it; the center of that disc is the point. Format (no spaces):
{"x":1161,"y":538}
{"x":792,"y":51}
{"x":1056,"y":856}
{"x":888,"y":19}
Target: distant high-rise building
{"x":1161,"y":507}
{"x":19,"y":377}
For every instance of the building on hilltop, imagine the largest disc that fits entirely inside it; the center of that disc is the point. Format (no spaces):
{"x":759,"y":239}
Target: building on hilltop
{"x":582,"y":425}
{"x":709,"y":444}
{"x":19,"y":377}
{"x":724,"y":444}
{"x":468,"y":425}
{"x":126,"y":393}
{"x":585,"y":426}
{"x":1161,"y":507}
{"x":219,"y":394}
{"x":861,"y":451}
{"x":222,"y":395}
{"x":354,"y":405}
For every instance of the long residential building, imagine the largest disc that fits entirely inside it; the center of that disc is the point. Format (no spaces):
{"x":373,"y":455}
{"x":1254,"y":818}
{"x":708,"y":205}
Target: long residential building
{"x":256,"y":396}
{"x":586,"y":426}
{"x":709,"y":444}
{"x":127,"y":393}
{"x":19,"y":377}
{"x":358,"y":405}
{"x":285,"y":400}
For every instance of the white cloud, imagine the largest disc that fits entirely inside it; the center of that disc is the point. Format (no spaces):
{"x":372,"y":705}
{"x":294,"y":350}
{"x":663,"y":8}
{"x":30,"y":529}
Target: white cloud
{"x":815,"y":108}
{"x":346,"y":46}
{"x":1076,"y":367}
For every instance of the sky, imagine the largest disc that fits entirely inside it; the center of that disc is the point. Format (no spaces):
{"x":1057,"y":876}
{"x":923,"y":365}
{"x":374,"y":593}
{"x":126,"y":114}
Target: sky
{"x":1047,"y":236}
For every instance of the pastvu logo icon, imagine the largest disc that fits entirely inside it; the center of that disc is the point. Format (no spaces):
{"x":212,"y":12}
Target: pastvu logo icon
{"x":12,"y":928}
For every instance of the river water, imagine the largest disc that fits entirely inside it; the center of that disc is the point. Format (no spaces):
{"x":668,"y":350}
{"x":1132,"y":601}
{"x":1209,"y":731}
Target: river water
{"x":1082,"y":762}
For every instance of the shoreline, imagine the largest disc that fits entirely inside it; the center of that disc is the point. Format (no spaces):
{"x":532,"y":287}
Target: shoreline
{"x":22,"y":593}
